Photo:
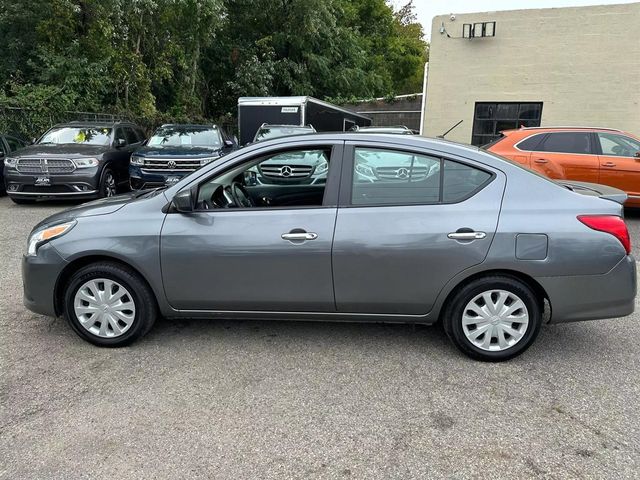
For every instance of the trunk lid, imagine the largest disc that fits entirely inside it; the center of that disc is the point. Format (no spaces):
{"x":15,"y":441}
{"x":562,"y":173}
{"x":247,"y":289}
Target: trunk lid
{"x":595,"y":190}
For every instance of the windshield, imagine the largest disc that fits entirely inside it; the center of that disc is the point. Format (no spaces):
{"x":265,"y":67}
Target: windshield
{"x":281,"y":131}
{"x":186,"y":137}
{"x":78,"y":135}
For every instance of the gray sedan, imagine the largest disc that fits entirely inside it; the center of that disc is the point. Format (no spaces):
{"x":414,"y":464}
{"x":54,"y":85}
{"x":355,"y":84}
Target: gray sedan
{"x":452,"y":235}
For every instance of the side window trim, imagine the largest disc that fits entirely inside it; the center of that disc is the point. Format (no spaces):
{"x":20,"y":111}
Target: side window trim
{"x":348,"y":161}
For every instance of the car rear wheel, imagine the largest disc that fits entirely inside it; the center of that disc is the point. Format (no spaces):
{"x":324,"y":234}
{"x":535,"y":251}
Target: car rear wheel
{"x":493,"y":318}
{"x":109,"y":305}
{"x":108,"y":183}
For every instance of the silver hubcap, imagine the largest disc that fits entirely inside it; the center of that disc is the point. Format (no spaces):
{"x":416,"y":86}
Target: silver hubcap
{"x":495,"y":320}
{"x":110,"y":185}
{"x":104,"y":307}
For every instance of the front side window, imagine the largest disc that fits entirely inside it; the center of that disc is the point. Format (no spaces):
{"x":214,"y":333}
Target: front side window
{"x":131,"y":136}
{"x":618,"y":145}
{"x":295,"y":178}
{"x":186,"y":137}
{"x":14,"y":143}
{"x":567,"y":142}
{"x":390,"y":177}
{"x":78,"y":135}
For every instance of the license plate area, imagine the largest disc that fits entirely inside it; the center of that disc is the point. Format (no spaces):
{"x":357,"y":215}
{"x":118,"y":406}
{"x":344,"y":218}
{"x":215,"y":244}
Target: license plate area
{"x":42,"y":182}
{"x":172,"y":180}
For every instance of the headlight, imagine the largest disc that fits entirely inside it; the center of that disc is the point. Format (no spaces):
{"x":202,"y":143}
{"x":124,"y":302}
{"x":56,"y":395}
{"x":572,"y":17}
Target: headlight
{"x":10,"y":162}
{"x":204,"y":161}
{"x":137,"y":160}
{"x":321,"y":168}
{"x":365,"y":170}
{"x":42,"y":236}
{"x":86,"y":162}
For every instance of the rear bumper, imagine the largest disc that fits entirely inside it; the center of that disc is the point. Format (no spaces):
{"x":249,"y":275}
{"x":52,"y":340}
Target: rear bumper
{"x":39,"y":277}
{"x":591,"y":297}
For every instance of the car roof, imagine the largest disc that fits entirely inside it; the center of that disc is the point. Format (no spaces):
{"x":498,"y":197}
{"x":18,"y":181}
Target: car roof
{"x":270,"y":125}
{"x":77,"y":123}
{"x":560,"y":128}
{"x":188,"y":125}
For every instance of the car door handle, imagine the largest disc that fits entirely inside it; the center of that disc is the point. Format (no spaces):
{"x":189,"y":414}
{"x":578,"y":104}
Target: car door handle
{"x":541,"y":160}
{"x":467,"y":235}
{"x":608,"y":164}
{"x":299,"y":236}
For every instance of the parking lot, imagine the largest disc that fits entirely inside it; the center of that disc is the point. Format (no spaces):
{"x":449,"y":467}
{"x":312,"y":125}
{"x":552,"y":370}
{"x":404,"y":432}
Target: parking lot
{"x":236,"y":399}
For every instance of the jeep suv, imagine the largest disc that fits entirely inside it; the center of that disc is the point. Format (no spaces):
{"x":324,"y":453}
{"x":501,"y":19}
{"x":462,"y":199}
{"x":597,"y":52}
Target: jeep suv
{"x":175,"y":151}
{"x":82,"y":160}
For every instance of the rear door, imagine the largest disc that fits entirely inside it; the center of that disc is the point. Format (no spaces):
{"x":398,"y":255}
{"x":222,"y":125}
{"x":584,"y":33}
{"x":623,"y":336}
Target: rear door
{"x":567,"y":154}
{"x":619,"y":167}
{"x":409,"y":220}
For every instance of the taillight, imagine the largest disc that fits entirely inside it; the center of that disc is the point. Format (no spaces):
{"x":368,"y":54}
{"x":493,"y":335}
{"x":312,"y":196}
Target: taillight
{"x":611,"y":224}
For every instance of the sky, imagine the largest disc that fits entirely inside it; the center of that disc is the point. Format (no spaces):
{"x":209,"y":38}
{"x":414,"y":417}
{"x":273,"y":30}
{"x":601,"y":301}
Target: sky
{"x":427,"y":9}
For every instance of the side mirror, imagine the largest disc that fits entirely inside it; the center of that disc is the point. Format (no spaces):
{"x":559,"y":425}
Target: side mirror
{"x":33,"y":140}
{"x":250,"y":178}
{"x":637,"y":156}
{"x":183,"y":201}
{"x":228,"y":143}
{"x":1,"y":154}
{"x":120,"y":142}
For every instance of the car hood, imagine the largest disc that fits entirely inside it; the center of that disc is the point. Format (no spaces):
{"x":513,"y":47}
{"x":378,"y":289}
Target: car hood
{"x":65,"y":150}
{"x":180,"y":152}
{"x":103,"y":206}
{"x":595,"y":190}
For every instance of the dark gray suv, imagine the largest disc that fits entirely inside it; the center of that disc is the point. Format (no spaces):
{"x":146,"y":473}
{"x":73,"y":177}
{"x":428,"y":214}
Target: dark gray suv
{"x":73,"y":160}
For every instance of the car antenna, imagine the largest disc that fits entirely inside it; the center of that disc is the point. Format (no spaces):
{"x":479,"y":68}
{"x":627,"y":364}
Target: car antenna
{"x":447,"y":132}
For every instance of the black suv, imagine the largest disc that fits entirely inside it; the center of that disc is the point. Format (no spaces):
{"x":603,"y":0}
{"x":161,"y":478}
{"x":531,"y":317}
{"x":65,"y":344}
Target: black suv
{"x":73,"y":160}
{"x":8,"y":144}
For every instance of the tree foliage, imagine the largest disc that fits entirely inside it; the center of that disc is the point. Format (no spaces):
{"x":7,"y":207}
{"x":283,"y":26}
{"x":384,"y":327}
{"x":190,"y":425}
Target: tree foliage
{"x":190,"y":59}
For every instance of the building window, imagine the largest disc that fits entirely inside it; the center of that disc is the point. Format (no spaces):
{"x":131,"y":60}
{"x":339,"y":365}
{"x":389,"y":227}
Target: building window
{"x":490,"y":119}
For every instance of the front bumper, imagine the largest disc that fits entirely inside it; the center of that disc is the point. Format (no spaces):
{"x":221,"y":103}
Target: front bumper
{"x":590,"y":297}
{"x":141,"y":179}
{"x":82,"y":183}
{"x":39,"y":277}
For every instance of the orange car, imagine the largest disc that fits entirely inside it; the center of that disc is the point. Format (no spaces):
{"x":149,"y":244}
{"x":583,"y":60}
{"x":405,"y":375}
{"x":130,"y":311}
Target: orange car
{"x":587,"y":154}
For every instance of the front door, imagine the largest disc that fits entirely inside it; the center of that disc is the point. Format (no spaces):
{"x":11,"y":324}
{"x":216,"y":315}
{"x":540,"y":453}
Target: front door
{"x":254,"y":244}
{"x":408,"y":222}
{"x":619,"y":166}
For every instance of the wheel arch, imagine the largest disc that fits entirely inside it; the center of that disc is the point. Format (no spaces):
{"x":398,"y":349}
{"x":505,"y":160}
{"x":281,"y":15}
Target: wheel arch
{"x":78,"y":263}
{"x":528,"y":280}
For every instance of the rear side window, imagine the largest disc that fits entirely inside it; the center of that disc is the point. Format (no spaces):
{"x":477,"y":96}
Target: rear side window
{"x":567,"y":142}
{"x":530,"y":144}
{"x":131,"y":136}
{"x":460,"y":181}
{"x":391,"y":177}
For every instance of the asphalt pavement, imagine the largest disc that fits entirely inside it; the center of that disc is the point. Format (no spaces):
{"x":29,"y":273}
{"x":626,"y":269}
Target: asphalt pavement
{"x":272,"y":399}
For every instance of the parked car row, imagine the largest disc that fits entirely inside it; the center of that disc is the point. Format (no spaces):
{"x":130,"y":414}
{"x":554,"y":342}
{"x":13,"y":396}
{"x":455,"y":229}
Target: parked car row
{"x":86,"y":160}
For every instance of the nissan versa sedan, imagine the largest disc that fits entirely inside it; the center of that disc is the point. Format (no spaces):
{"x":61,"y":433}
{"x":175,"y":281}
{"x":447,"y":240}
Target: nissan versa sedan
{"x":479,"y":244}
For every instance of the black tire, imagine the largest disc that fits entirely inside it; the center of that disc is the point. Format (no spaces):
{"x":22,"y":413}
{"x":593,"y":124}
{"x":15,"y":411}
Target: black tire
{"x":22,"y":201}
{"x":108,"y":183}
{"x":146,"y":309}
{"x":454,"y":311}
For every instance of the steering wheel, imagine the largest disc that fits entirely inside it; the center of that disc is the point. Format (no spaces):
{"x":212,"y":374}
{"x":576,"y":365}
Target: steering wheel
{"x":240,"y":196}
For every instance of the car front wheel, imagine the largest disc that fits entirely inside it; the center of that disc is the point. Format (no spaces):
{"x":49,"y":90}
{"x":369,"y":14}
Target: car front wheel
{"x":493,"y":318}
{"x":109,"y":304}
{"x":108,"y":184}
